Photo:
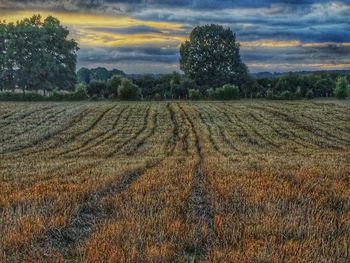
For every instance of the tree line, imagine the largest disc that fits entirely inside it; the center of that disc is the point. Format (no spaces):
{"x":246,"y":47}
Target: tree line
{"x":38,"y":56}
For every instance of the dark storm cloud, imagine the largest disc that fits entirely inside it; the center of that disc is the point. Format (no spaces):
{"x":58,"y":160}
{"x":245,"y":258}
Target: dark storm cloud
{"x":297,"y":21}
{"x":299,"y":54}
{"x":57,"y":5}
{"x":134,"y":5}
{"x":130,"y":54}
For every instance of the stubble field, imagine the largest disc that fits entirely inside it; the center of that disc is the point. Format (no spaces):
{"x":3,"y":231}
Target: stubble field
{"x":175,"y":182}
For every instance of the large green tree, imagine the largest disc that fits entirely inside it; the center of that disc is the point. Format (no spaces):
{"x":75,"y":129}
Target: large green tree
{"x":2,"y":53}
{"x":39,"y":55}
{"x":211,"y":57}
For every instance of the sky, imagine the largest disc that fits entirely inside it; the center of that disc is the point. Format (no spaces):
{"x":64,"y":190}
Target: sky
{"x":144,"y":36}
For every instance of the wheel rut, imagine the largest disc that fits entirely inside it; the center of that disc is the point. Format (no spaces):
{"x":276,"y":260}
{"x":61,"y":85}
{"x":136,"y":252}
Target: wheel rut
{"x":200,"y":211}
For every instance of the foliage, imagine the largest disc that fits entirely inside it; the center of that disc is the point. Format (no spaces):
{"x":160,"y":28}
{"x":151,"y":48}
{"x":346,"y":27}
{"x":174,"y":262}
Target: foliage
{"x":158,"y":97}
{"x":309,"y":94}
{"x":37,"y":55}
{"x":128,"y":90}
{"x":322,"y":84}
{"x":227,"y":92}
{"x":210,"y":94}
{"x":211,"y":57}
{"x":28,"y":96}
{"x":269,"y":94}
{"x":286,"y":95}
{"x":96,"y":88}
{"x":80,"y":92}
{"x":113,"y":85}
{"x":85,"y":75}
{"x":298,"y":94}
{"x":342,"y":88}
{"x":193,"y":94}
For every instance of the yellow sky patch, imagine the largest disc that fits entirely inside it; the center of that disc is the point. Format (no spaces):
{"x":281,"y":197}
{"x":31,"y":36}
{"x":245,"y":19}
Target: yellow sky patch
{"x":270,"y":43}
{"x":89,"y":20}
{"x":82,"y":28}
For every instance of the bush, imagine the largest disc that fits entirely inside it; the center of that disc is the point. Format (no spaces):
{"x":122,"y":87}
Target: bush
{"x":210,"y":93}
{"x":309,"y":94}
{"x":113,"y":85}
{"x":187,"y":84}
{"x":128,"y":90}
{"x":227,"y":92}
{"x":341,"y":88}
{"x":269,"y":94}
{"x":157,"y":96}
{"x":80,"y":92}
{"x":298,"y":95}
{"x":193,"y":94}
{"x":31,"y":96}
{"x":56,"y":95}
{"x":286,"y":95}
{"x":96,"y":88}
{"x":258,"y":95}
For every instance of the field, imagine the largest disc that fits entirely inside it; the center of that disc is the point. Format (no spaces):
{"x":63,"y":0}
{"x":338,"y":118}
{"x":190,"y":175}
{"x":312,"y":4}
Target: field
{"x":175,"y":182}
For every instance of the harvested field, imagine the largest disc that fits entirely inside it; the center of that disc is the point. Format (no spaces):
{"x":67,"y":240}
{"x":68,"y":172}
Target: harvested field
{"x":175,"y":182}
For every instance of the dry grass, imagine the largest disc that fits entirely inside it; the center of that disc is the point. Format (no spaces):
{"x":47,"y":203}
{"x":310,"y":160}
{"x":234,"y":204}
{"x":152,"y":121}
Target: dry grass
{"x":175,"y":182}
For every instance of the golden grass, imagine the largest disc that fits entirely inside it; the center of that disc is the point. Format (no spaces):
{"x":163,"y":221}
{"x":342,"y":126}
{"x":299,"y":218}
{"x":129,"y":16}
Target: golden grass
{"x":175,"y":182}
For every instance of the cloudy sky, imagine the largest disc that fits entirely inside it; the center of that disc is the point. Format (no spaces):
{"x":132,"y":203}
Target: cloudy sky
{"x":143,"y":36}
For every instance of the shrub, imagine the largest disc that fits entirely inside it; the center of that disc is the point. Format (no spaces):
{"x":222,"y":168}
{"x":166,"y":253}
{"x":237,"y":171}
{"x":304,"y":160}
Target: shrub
{"x":286,"y":95}
{"x":31,"y":96}
{"x":80,"y":92}
{"x":227,"y":92}
{"x":210,"y":93}
{"x":298,"y":94}
{"x":193,"y":94}
{"x":113,"y":85}
{"x":187,"y":84}
{"x":269,"y":94}
{"x":56,"y":95}
{"x":128,"y":90}
{"x":157,"y":96}
{"x":309,"y":94}
{"x":96,"y":88}
{"x":258,"y":95}
{"x":341,"y":88}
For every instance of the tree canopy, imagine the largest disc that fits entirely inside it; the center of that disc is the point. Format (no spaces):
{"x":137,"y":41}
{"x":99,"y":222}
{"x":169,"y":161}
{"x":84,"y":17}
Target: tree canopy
{"x":86,"y":75}
{"x":37,"y":55}
{"x":211,"y":57}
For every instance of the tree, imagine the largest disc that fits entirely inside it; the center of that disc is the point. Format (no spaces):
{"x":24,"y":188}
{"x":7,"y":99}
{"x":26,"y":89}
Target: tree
{"x":83,"y":75}
{"x":269,"y":94}
{"x":185,"y":85}
{"x":286,"y":95}
{"x":342,"y":88}
{"x":249,"y":86}
{"x":147,"y":83}
{"x":324,"y":87}
{"x":96,"y":88}
{"x":80,"y":92}
{"x":2,"y":54}
{"x":309,"y":94}
{"x":298,"y":95}
{"x":128,"y":90}
{"x":211,"y":57}
{"x":193,"y":94}
{"x":113,"y":85}
{"x":227,"y":92}
{"x":39,"y":55}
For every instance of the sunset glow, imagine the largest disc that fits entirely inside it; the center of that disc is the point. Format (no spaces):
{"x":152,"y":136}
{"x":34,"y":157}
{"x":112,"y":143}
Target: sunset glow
{"x":119,"y":34}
